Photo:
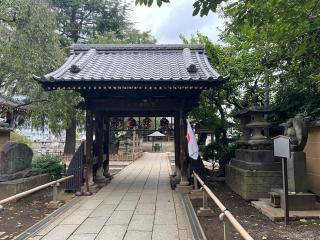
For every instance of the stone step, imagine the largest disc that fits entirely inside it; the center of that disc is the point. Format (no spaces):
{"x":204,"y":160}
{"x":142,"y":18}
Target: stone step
{"x":275,"y":200}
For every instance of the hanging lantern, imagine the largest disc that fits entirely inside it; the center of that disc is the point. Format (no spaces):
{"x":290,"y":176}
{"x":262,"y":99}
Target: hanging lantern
{"x":115,"y":124}
{"x":147,"y":123}
{"x":164,"y":123}
{"x":131,"y":123}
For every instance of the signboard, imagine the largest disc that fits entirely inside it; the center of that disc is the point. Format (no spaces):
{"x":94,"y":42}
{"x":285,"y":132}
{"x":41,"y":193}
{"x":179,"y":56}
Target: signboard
{"x":281,"y":146}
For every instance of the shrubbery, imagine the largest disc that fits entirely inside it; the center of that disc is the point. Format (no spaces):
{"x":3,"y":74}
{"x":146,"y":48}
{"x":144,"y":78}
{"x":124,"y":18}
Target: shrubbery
{"x":49,"y":164}
{"x":19,"y":138}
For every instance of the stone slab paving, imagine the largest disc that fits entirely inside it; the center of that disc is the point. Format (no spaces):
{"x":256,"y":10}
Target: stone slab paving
{"x":137,"y":204}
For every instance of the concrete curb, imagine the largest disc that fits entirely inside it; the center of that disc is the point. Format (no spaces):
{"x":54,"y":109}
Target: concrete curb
{"x":196,"y":229}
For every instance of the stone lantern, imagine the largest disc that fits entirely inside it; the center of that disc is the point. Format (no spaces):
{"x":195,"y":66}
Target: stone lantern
{"x":254,"y":170}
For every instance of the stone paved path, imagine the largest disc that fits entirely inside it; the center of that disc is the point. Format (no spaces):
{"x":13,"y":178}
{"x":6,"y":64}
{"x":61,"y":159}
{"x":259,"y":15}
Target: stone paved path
{"x":137,"y":204}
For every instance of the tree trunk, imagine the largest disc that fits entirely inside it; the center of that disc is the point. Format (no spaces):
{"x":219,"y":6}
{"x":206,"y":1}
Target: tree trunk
{"x":70,"y":145}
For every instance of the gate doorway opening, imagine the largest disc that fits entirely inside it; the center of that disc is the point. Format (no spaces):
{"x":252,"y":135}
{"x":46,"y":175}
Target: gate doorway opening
{"x":129,"y":136}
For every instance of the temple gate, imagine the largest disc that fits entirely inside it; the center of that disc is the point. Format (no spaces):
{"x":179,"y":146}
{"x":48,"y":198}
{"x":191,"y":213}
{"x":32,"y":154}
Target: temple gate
{"x":135,"y":80}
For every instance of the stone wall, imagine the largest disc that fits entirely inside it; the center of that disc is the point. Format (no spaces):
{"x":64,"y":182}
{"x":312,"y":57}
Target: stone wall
{"x":250,"y":184}
{"x":10,"y":188}
{"x":312,"y":151}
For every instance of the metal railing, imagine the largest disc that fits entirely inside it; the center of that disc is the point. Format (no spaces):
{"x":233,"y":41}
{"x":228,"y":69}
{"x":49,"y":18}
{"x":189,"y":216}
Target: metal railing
{"x":53,"y":184}
{"x":224,"y":211}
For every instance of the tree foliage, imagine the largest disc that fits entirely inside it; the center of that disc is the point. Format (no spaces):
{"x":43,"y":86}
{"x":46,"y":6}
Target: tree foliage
{"x":202,"y":7}
{"x":78,"y":21}
{"x":281,"y":38}
{"x":32,"y":33}
{"x":130,"y":36}
{"x":81,"y":19}
{"x":30,"y":46}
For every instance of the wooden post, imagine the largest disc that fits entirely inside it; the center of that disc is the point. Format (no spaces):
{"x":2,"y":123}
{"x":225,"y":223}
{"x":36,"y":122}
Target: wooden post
{"x":183,"y":147}
{"x":133,"y":142}
{"x":106,"y":147}
{"x":97,"y":173}
{"x":89,"y":142}
{"x":177,"y":147}
{"x":285,"y":190}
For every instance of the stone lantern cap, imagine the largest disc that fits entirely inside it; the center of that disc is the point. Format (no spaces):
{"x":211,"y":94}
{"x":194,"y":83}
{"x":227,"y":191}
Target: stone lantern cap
{"x":250,"y":110}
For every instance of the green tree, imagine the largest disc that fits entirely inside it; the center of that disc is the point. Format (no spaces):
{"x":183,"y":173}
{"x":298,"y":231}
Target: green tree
{"x":202,"y":7}
{"x":129,"y":36}
{"x":282,"y":37}
{"x":82,"y":19}
{"x":29,"y":45}
{"x":216,"y":107}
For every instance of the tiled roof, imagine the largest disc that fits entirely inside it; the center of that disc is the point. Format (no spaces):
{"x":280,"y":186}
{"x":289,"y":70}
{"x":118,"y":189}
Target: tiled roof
{"x":6,"y":102}
{"x":138,"y":62}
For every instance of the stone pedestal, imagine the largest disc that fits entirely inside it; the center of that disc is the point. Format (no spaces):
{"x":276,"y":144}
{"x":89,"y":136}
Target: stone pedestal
{"x":301,"y":201}
{"x":252,"y":173}
{"x":298,"y":197}
{"x":297,"y":172}
{"x":256,"y":160}
{"x":252,"y":184}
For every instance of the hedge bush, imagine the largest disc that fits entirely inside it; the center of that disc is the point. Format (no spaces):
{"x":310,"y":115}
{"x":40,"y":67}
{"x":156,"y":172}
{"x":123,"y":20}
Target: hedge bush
{"x":19,"y":138}
{"x":49,"y":164}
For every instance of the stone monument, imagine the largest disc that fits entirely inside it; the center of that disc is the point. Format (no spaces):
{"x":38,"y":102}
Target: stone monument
{"x":4,"y":133}
{"x":16,"y":174}
{"x":254,"y":170}
{"x":299,"y":198}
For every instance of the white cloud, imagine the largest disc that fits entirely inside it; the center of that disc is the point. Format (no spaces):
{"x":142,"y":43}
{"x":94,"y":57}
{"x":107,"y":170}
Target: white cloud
{"x":172,"y":19}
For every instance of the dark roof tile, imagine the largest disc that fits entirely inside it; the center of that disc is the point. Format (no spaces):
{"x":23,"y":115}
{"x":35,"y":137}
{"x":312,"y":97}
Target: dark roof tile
{"x":105,"y":62}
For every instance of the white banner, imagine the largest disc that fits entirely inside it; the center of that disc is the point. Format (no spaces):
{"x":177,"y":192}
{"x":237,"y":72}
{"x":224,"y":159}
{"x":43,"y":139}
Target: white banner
{"x":193,"y":148}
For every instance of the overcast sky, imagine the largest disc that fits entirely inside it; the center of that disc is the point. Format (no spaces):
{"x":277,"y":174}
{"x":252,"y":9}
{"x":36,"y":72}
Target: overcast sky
{"x":168,"y":21}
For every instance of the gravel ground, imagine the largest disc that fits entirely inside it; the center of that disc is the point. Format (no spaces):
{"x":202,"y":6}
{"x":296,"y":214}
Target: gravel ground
{"x":20,"y":215}
{"x":258,"y":225}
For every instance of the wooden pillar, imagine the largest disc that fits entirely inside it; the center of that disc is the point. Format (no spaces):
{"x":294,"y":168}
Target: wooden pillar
{"x":89,"y":142}
{"x":106,"y":133}
{"x":177,"y":147}
{"x":183,"y":147}
{"x":97,"y":168}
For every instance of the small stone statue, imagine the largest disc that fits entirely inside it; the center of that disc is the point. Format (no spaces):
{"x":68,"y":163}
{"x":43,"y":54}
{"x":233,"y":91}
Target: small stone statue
{"x":296,"y":130}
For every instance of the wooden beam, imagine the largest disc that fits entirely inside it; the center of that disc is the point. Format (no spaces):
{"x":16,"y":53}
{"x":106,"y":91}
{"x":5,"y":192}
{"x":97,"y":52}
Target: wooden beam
{"x":137,"y":105}
{"x":142,"y":113}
